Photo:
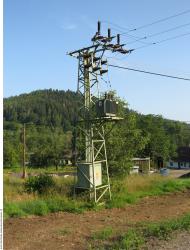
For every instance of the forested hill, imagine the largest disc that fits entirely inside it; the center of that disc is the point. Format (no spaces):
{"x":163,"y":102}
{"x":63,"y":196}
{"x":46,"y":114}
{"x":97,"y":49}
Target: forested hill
{"x":44,"y":107}
{"x":58,"y":108}
{"x":49,"y":115}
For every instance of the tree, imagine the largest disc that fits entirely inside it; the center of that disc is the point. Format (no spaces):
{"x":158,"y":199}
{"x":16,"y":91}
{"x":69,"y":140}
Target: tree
{"x":10,"y":155}
{"x":49,"y":139}
{"x":124,"y":141}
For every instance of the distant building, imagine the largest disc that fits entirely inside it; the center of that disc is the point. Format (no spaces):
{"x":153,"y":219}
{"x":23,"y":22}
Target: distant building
{"x":182,"y":160}
{"x":140,"y":165}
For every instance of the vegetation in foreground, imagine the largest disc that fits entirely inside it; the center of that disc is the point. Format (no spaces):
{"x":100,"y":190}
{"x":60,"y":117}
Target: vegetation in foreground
{"x":132,"y":188}
{"x":138,"y":235}
{"x":28,"y":198}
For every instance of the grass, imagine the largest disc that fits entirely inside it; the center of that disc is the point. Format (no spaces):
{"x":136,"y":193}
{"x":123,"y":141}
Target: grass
{"x":132,"y":188}
{"x":36,"y":170}
{"x":13,"y":189}
{"x":103,"y":234}
{"x":163,"y":230}
{"x":129,"y":190}
{"x":137,"y":236}
{"x":131,"y":240}
{"x":18,"y":203}
{"x":42,"y":206}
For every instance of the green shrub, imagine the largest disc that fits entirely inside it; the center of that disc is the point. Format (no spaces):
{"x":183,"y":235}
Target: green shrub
{"x":12,"y":210}
{"x":130,"y":190}
{"x":103,"y":234}
{"x":131,"y":240}
{"x":41,"y":184}
{"x":62,"y":204}
{"x":42,"y":207}
{"x":138,"y":234}
{"x":36,"y":207}
{"x":162,"y":230}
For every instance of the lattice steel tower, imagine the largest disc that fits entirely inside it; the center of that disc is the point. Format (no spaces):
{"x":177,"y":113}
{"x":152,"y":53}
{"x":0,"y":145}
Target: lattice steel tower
{"x":90,"y":147}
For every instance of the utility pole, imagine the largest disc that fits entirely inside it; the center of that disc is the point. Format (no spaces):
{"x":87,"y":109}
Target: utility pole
{"x":87,"y":100}
{"x":24,"y":152}
{"x":91,"y":158}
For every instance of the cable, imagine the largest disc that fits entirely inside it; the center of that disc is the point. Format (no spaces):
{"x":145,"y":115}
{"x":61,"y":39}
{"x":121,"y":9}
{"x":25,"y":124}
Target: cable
{"x":168,"y":30}
{"x":151,"y":73}
{"x":132,"y":36}
{"x":148,"y":24}
{"x":160,"y":20}
{"x":159,"y":33}
{"x":165,"y":40}
{"x":143,"y":26}
{"x":120,"y":28}
{"x":124,"y":63}
{"x":174,"y":37}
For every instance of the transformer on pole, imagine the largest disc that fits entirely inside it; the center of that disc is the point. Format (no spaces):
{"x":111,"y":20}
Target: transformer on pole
{"x":90,"y":147}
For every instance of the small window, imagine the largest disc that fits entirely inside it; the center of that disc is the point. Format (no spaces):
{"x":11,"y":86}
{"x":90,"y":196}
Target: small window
{"x":171,"y":164}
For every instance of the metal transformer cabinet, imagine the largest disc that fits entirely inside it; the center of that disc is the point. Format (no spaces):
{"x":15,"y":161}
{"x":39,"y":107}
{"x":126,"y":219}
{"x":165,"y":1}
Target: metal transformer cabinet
{"x":106,"y":108}
{"x":86,"y":179}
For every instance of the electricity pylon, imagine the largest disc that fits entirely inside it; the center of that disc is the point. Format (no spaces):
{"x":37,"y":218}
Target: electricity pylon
{"x":91,"y":159}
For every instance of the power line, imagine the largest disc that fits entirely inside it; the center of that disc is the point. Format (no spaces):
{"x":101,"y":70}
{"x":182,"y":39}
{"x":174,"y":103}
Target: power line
{"x":132,"y":36}
{"x":120,"y":28}
{"x":151,"y":73}
{"x":148,"y":24}
{"x":161,"y":41}
{"x":168,"y":30}
{"x":160,"y":20}
{"x":159,"y":33}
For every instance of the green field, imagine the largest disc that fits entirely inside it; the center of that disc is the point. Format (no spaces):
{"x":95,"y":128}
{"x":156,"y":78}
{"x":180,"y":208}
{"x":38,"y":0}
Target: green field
{"x":138,"y":234}
{"x":128,"y":190}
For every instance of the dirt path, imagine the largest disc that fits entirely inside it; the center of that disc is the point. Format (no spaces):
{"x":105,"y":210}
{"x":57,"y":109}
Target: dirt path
{"x":178,"y":241}
{"x":176,"y":173}
{"x":72,"y":231}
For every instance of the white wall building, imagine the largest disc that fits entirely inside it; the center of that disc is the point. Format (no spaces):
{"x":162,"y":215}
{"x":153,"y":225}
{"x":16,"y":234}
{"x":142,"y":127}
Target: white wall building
{"x":177,"y":164}
{"x":182,"y":160}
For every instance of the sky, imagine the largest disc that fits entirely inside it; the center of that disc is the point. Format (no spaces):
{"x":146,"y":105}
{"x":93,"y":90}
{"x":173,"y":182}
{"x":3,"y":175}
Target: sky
{"x":39,"y":33}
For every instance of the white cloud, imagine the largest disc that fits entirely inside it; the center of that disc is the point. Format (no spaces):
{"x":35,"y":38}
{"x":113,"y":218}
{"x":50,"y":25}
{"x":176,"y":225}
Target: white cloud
{"x":69,"y":26}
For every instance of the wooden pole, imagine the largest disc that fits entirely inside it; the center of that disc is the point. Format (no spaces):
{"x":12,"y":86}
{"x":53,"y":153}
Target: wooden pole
{"x":24,"y":152}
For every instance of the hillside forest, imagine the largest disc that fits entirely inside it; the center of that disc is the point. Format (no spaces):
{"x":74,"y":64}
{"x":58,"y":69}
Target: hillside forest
{"x":48,"y":116}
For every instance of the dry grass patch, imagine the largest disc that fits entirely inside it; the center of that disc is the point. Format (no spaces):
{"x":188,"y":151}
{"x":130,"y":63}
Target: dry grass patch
{"x":13,"y":189}
{"x":135,"y":183}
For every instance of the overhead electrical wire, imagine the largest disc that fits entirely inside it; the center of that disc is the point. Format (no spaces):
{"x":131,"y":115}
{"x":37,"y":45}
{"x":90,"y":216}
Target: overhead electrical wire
{"x":155,"y":43}
{"x":151,"y":73}
{"x":134,"y":37}
{"x":159,"y":33}
{"x":140,"y":39}
{"x":121,"y":60}
{"x":160,"y":20}
{"x":148,"y":24}
{"x":164,"y":40}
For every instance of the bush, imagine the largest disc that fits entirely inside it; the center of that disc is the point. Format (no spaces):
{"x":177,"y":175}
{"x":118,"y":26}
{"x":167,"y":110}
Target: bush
{"x":104,"y":234}
{"x":36,"y":207}
{"x":41,"y":184}
{"x":163,"y":229}
{"x":131,"y":240}
{"x":42,"y":207}
{"x":12,"y":210}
